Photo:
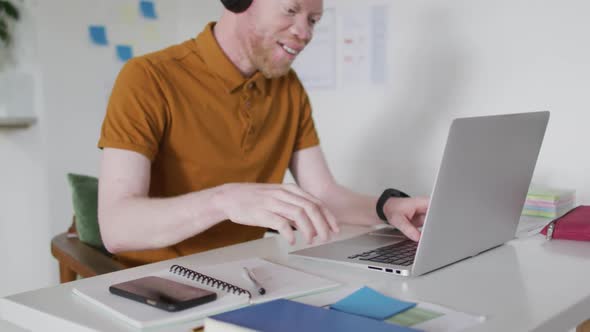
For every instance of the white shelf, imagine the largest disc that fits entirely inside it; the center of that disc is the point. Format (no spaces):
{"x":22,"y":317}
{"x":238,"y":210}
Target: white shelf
{"x":16,"y":99}
{"x":16,"y":122}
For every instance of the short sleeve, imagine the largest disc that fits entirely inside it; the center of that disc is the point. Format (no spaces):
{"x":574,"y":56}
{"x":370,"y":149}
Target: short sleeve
{"x":306,"y":133}
{"x":137,"y":113}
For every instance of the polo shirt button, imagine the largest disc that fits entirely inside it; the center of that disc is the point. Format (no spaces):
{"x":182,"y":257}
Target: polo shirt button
{"x":251,"y":86}
{"x":248,"y":104}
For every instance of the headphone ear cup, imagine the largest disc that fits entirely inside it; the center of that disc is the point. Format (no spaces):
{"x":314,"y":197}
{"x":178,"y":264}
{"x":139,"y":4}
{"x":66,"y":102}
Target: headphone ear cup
{"x":236,"y":6}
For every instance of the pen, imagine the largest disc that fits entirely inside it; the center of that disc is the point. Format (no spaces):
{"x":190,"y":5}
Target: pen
{"x":250,"y":276}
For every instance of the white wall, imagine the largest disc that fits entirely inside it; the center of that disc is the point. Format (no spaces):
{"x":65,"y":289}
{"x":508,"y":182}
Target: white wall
{"x":463,"y":58}
{"x":446,"y":59}
{"x":450,"y":59}
{"x":73,"y":81}
{"x":24,"y":222}
{"x":77,"y":79}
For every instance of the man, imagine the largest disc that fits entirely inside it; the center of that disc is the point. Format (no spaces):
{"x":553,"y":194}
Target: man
{"x":197,"y":139}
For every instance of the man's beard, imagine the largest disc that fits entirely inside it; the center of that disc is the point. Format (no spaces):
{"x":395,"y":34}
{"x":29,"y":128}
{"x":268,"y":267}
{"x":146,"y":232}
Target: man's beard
{"x":262,"y":60}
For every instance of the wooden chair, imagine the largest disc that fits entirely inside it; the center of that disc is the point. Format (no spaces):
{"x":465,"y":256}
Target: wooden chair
{"x":76,"y":258}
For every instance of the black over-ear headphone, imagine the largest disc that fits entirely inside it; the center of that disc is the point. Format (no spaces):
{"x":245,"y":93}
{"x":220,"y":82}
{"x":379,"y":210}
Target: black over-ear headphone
{"x":236,"y":6}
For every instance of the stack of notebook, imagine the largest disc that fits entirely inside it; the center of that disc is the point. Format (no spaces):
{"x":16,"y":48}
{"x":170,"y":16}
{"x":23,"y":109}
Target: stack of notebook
{"x":547,"y":202}
{"x":225,"y":279}
{"x":362,"y":311}
{"x":288,"y":316}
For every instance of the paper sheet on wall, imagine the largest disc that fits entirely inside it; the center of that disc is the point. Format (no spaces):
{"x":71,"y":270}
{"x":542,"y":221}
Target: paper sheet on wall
{"x":316,"y":66}
{"x":349,"y":47}
{"x":364,"y":44}
{"x":124,"y":52}
{"x":152,"y":33}
{"x":355,"y":44}
{"x":98,"y":35}
{"x":379,"y":43}
{"x":127,"y":14}
{"x":148,"y":10}
{"x":118,"y":30}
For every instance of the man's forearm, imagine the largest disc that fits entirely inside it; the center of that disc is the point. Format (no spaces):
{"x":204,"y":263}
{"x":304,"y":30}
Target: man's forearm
{"x":350,"y":207}
{"x":140,"y":223}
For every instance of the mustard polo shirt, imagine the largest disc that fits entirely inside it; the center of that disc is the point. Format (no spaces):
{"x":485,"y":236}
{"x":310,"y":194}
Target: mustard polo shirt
{"x":190,"y":111}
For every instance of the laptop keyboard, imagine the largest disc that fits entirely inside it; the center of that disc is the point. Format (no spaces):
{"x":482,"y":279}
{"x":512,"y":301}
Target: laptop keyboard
{"x":397,"y":254}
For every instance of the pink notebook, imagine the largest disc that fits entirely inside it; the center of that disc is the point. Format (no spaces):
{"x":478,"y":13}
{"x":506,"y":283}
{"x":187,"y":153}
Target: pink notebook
{"x":574,"y":225}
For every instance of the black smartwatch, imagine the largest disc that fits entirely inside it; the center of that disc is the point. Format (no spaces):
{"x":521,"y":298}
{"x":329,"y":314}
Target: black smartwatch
{"x":388,"y":193}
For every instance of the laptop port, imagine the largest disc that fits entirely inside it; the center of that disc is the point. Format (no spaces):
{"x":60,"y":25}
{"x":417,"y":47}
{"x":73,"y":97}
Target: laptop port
{"x":389,"y":270}
{"x":375,"y":268}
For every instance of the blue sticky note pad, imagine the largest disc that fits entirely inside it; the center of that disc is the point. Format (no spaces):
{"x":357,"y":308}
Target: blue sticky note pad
{"x":98,"y":34}
{"x":370,"y":303}
{"x":124,"y":52}
{"x":148,"y":9}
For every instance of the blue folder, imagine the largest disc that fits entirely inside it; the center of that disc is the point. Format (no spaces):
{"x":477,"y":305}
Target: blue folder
{"x":285,"y":316}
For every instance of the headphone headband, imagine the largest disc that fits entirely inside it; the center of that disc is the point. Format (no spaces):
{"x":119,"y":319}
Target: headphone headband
{"x":236,"y":6}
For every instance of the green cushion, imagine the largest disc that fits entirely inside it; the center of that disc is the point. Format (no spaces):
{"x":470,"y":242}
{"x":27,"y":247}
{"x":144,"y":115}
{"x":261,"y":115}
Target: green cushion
{"x":85,"y":201}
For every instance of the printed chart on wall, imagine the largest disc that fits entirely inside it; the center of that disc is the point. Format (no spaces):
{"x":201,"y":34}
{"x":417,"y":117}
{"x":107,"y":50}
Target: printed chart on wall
{"x":124,"y":28}
{"x":348,"y":48}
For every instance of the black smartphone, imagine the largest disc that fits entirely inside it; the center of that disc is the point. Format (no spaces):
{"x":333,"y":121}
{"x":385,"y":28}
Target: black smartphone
{"x":163,"y":293}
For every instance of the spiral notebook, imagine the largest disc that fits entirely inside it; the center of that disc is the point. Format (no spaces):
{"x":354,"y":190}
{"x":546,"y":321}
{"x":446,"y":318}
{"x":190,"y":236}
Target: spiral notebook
{"x":233,"y":290}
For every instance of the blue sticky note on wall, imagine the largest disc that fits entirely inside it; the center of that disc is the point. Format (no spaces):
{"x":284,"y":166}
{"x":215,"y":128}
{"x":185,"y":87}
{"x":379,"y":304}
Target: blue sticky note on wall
{"x":370,"y":303}
{"x":124,"y":52}
{"x":98,"y":34}
{"x":148,"y":9}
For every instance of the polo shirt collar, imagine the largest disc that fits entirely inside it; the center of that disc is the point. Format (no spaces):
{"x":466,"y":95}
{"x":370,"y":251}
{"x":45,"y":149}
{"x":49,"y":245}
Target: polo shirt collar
{"x":220,"y":65}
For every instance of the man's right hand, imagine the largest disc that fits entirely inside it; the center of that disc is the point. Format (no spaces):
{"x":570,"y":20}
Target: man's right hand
{"x":277,"y":206}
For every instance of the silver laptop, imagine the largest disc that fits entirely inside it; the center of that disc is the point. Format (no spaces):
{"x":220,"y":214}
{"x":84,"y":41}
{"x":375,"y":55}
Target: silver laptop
{"x":475,"y":205}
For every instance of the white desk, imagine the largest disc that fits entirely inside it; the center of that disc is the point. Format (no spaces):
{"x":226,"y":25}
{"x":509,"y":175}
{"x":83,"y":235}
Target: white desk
{"x":527,"y":284}
{"x":9,"y":327}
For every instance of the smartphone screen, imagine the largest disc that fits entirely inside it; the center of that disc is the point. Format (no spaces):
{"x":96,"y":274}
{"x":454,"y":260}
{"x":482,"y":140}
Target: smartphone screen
{"x":163,"y":293}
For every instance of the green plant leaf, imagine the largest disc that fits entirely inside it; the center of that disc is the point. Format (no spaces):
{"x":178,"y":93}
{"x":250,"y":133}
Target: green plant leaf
{"x":10,"y":9}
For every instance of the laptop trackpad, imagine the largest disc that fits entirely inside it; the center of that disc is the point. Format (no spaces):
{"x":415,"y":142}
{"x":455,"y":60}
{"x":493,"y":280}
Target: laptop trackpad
{"x":371,"y":241}
{"x":388,"y":231}
{"x":355,"y":245}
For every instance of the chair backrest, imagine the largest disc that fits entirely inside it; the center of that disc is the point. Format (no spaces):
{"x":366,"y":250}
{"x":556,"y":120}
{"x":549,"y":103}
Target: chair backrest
{"x":79,"y":259}
{"x":85,"y":203}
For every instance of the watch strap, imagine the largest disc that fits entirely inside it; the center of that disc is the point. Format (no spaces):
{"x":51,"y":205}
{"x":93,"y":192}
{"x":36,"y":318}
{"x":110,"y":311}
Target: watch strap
{"x":388,"y":193}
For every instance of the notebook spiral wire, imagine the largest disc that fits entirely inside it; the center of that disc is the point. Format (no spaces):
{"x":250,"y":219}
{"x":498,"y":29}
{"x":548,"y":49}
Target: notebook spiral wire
{"x":207,"y":280}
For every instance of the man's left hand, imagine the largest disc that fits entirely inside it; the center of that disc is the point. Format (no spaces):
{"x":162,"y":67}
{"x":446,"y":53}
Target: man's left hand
{"x":407,"y":214}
